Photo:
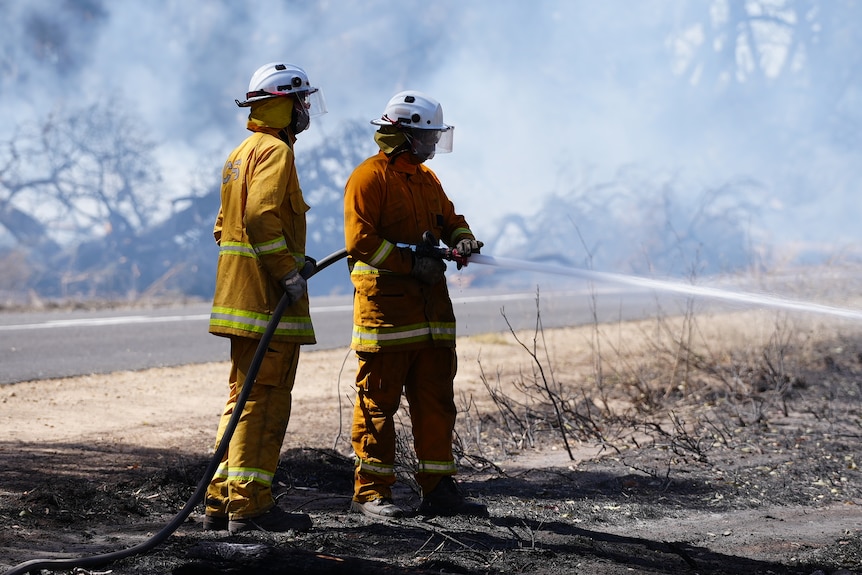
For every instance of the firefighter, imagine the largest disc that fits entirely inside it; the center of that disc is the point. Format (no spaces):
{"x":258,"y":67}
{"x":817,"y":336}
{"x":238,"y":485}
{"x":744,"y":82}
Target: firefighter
{"x":260,"y":230}
{"x":404,"y":324}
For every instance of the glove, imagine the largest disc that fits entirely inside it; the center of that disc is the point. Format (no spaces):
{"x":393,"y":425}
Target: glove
{"x":294,"y":286}
{"x":429,"y":271}
{"x":310,"y":267}
{"x":463,"y":249}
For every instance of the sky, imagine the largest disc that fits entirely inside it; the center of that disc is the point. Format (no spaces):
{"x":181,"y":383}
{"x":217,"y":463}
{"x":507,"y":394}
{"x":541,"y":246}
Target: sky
{"x":545,"y":95}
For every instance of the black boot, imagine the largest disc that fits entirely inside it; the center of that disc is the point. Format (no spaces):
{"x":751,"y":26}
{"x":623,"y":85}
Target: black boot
{"x":275,"y":520}
{"x":446,"y":500}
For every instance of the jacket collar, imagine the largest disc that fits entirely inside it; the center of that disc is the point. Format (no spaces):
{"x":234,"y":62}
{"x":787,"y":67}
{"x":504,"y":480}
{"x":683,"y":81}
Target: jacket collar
{"x":256,"y":126}
{"x":401,"y":163}
{"x":280,"y":134}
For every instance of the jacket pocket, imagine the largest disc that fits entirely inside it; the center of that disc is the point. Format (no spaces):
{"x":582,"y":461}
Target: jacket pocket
{"x":294,"y":220}
{"x":297,"y":203}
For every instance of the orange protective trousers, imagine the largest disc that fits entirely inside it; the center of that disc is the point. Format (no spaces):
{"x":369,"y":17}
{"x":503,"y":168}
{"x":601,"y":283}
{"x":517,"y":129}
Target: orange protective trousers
{"x":242,"y":485}
{"x":426,"y":378}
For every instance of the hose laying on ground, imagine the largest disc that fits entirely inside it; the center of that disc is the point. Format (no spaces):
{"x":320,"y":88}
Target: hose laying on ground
{"x":36,"y":565}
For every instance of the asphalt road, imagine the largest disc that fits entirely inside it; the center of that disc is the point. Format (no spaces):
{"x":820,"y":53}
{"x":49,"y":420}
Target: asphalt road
{"x":46,"y":345}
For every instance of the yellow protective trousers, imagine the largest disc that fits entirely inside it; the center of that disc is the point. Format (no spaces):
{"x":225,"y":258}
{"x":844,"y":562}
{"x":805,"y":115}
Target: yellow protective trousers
{"x":242,"y":485}
{"x":426,"y":378}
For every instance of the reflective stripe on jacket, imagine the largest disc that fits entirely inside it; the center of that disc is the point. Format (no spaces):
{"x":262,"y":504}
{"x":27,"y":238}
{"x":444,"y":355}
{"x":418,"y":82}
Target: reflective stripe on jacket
{"x":386,"y":203}
{"x":261,"y":231}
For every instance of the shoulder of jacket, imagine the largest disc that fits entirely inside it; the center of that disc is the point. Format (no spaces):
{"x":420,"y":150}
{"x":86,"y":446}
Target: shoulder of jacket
{"x":372,"y":165}
{"x":378,"y":159}
{"x":269,"y":139}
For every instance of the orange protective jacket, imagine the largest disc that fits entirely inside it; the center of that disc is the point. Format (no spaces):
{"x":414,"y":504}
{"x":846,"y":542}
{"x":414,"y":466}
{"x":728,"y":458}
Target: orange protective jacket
{"x":390,"y":201}
{"x":260,"y":230}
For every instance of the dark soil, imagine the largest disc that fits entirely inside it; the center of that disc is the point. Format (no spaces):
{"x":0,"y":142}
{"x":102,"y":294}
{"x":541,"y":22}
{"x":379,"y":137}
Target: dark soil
{"x":65,"y":501}
{"x":777,"y":494}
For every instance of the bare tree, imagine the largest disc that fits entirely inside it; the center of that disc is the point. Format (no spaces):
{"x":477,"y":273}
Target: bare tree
{"x":766,"y":59}
{"x":82,"y":175}
{"x":639,"y":222}
{"x":86,"y":175}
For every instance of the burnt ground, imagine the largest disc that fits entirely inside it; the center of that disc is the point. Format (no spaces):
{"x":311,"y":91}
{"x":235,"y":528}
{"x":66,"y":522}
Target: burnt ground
{"x":594,"y":517}
{"x":543,"y":521}
{"x":775,"y":493}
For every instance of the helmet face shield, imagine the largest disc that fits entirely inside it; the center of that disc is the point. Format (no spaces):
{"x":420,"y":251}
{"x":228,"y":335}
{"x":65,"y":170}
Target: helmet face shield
{"x":427,"y":137}
{"x":306,"y":105}
{"x":426,"y":143}
{"x":313,"y":101}
{"x":444,"y":142}
{"x":440,"y":139}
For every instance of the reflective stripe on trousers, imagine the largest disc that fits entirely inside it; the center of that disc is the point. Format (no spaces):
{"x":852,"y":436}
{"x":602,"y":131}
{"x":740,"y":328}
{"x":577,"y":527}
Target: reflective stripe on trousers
{"x":426,"y":377}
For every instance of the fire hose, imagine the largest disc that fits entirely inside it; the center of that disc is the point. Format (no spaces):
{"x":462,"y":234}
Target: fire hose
{"x":36,"y":565}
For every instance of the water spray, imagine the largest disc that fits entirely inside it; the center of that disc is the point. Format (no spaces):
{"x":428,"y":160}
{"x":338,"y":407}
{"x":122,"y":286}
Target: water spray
{"x":430,"y":248}
{"x":668,"y":286}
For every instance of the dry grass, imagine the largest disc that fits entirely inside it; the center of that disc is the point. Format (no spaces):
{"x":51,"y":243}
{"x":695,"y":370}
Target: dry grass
{"x":686,"y":383}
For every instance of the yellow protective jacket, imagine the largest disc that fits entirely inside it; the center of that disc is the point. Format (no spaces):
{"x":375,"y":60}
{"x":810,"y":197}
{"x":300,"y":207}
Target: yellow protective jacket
{"x":260,"y":230}
{"x":388,"y":202}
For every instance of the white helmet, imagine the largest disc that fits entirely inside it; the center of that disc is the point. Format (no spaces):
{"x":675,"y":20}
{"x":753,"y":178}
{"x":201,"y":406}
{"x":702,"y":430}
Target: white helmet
{"x":280,"y":79}
{"x":412,"y":110}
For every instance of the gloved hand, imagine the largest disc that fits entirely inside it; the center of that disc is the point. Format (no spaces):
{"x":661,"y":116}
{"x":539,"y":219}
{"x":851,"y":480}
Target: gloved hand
{"x":294,"y":286}
{"x":463,"y":249}
{"x":428,"y":270}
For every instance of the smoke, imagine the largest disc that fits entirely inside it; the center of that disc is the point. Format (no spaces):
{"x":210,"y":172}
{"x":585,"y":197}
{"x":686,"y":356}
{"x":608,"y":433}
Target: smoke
{"x":545,"y":95}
